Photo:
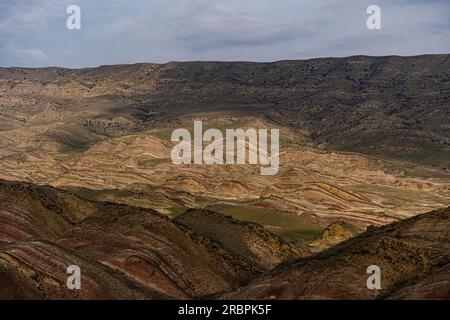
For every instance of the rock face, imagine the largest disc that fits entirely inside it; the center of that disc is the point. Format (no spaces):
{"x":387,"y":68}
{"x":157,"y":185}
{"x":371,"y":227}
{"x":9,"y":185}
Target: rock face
{"x":332,"y":235}
{"x":414,"y":257}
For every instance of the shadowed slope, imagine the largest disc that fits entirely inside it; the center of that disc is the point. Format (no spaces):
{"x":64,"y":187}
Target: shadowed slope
{"x":123,"y":251}
{"x":413,"y":255}
{"x":245,"y":238}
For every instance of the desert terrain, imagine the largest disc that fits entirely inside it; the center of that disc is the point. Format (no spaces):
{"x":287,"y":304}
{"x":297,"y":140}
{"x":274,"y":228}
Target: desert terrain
{"x":86,"y":178}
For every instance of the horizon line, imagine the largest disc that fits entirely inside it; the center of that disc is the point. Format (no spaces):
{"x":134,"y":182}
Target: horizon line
{"x":230,"y":61}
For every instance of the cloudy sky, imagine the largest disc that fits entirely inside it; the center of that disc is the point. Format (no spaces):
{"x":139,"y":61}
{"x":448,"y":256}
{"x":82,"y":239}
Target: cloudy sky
{"x":33,"y":33}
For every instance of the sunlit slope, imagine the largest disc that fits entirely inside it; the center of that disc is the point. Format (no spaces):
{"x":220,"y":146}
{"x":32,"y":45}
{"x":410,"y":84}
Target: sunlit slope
{"x":137,"y":169}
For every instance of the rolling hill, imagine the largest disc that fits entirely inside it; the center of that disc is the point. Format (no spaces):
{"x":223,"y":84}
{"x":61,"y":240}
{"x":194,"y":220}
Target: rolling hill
{"x":86,"y":178}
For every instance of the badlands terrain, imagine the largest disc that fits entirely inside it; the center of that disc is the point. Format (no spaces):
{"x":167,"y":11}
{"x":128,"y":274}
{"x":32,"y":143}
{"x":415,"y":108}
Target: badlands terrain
{"x":87,"y":178}
{"x":128,"y":252}
{"x":413,"y":254}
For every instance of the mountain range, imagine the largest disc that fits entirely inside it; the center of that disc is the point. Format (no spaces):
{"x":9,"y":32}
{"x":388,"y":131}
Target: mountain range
{"x":86,"y":179}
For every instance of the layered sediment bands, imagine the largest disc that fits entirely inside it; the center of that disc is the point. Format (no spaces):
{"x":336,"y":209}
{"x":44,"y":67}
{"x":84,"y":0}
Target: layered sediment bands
{"x":109,"y":128}
{"x":127,"y":252}
{"x":413,"y":255}
{"x":28,"y":211}
{"x":186,"y":263}
{"x":124,"y":252}
{"x":388,"y":106}
{"x":332,"y":186}
{"x":364,"y":142}
{"x":37,"y":270}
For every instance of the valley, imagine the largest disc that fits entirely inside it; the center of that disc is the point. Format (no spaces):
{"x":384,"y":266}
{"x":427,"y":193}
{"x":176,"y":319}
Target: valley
{"x":87,"y":178}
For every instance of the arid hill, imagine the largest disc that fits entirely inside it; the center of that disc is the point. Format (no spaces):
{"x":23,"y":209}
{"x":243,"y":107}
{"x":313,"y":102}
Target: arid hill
{"x":390,"y":106}
{"x":127,"y":252}
{"x":87,"y":179}
{"x":123,"y":251}
{"x":413,"y":254}
{"x":104,"y":134}
{"x":245,"y":238}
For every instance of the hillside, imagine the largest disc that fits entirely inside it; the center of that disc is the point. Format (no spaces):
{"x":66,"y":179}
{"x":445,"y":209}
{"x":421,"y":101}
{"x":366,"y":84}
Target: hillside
{"x":127,"y":252}
{"x":86,"y":178}
{"x":413,"y":255}
{"x":390,"y":106}
{"x":123,"y":252}
{"x":244,"y":238}
{"x":104,"y":133}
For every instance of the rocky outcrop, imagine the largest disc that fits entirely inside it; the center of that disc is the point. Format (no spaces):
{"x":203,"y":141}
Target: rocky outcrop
{"x":332,"y":235}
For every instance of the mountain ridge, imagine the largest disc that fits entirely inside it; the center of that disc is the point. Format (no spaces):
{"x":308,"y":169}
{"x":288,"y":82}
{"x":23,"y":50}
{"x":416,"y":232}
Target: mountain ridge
{"x":358,"y":103}
{"x":425,"y":55}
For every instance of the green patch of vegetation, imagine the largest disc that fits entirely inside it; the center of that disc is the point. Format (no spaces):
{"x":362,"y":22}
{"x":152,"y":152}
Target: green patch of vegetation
{"x":426,"y":173}
{"x":292,"y":141}
{"x":61,"y":157}
{"x":88,"y":194}
{"x":151,"y":162}
{"x":5,"y":126}
{"x":303,"y":237}
{"x":398,"y":196}
{"x":166,"y":133}
{"x":176,"y":211}
{"x":73,"y":138}
{"x":163,"y":134}
{"x":288,"y":225}
{"x":428,"y":153}
{"x":74,"y":146}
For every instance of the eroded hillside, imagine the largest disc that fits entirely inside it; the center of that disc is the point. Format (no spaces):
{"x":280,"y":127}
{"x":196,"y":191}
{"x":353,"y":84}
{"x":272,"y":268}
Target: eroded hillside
{"x":413,"y":255}
{"x":88,"y":180}
{"x":123,"y":251}
{"x":108,"y":129}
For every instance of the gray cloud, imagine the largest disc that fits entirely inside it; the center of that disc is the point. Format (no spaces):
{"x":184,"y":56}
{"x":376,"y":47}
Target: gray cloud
{"x":23,"y":55}
{"x":199,"y":26}
{"x":33,"y":33}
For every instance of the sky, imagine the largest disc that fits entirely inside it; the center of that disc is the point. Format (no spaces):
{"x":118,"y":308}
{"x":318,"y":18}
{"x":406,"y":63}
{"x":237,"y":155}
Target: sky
{"x":33,"y":33}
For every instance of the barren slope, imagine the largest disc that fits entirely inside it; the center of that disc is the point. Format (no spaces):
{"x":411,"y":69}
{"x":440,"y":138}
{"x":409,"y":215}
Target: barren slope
{"x":123,"y":251}
{"x":108,"y":128}
{"x":413,"y":255}
{"x":390,"y":106}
